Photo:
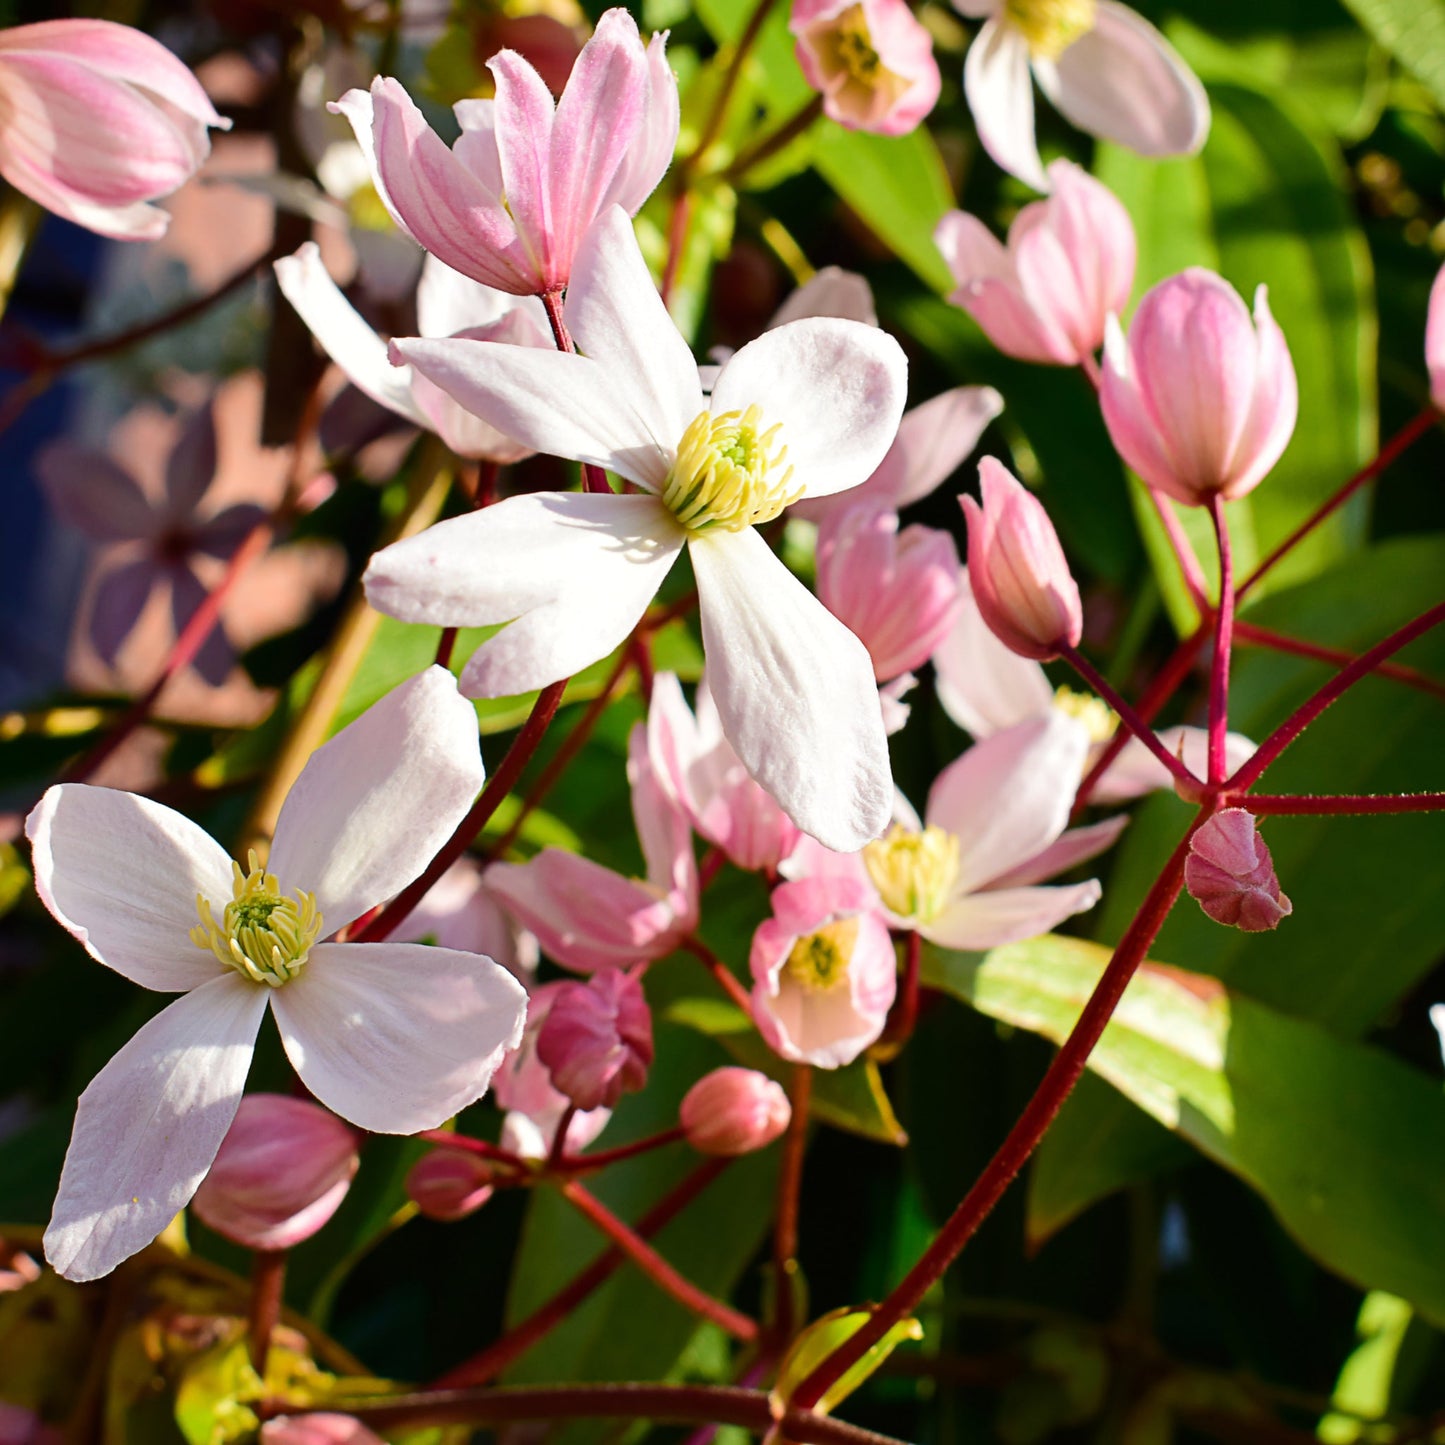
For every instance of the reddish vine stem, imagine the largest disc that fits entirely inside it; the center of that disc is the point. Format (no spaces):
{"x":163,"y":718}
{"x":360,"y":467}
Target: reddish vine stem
{"x":1223,"y":641}
{"x":1248,"y":632}
{"x":487,"y":1364}
{"x":447,"y":1139}
{"x":677,"y":219}
{"x":1393,"y":449}
{"x":785,"y":1228}
{"x":1321,"y":804}
{"x":776,"y":140}
{"x":714,"y":123}
{"x":478,"y":481}
{"x":594,"y":479}
{"x":1025,"y":1135}
{"x":720,"y":971}
{"x":904,"y":1014}
{"x":268,"y":1281}
{"x":586,"y":1163}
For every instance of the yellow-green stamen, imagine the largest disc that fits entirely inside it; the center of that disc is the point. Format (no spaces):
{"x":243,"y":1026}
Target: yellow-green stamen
{"x":914,"y":873}
{"x":819,"y":962}
{"x":1051,"y":26}
{"x":729,"y":473}
{"x":1095,"y":714}
{"x":263,"y":934}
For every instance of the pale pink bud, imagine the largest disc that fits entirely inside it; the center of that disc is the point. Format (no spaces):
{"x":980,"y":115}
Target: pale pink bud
{"x":1069,"y":263}
{"x":1200,"y":399}
{"x":1230,"y":874}
{"x":321,"y":1428}
{"x":597,"y":1039}
{"x":1435,"y":340}
{"x":282,"y":1170}
{"x":449,"y":1184}
{"x":99,"y":120}
{"x":734,"y":1111}
{"x":1021,"y":580}
{"x":871,"y":61}
{"x":896,"y":591}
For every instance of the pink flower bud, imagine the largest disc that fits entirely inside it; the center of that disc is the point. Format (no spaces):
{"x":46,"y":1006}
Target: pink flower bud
{"x":99,"y":120}
{"x":896,"y":591}
{"x":734,"y":1111}
{"x":1199,"y":400}
{"x":1068,"y":264}
{"x":283,"y":1167}
{"x":449,"y":1184}
{"x":1230,"y":874}
{"x":871,"y":61}
{"x":321,"y":1428}
{"x":1435,"y":340}
{"x":597,"y":1039}
{"x":1020,"y":579}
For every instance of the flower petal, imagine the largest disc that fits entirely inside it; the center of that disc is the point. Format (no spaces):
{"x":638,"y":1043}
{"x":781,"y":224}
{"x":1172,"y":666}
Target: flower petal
{"x":832,"y":292}
{"x":149,"y":1125}
{"x":838,"y":389}
{"x":1075,"y":846}
{"x":191,"y":465}
{"x":121,"y":874}
{"x":662,"y":827}
{"x":794,"y":689}
{"x":117,"y":604}
{"x":448,"y":302}
{"x":374,"y":805}
{"x":933,"y":441}
{"x":1000,"y":94}
{"x":1006,"y":915}
{"x":89,"y":492}
{"x":398,"y":1037}
{"x":522,"y":126}
{"x":652,"y":147}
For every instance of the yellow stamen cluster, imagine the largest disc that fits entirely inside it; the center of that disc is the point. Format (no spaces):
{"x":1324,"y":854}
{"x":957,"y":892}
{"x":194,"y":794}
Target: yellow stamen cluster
{"x":853,"y":46}
{"x":1095,"y":714}
{"x":1050,"y":26}
{"x":819,"y":962}
{"x":914,"y":873}
{"x":729,"y":473}
{"x":262,"y":933}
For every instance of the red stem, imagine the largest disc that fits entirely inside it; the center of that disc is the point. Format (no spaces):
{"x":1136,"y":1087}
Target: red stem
{"x":1223,"y":640}
{"x":446,"y":1139}
{"x":721,"y":972}
{"x":1270,"y":749}
{"x":558,"y":1152}
{"x":585,"y":1163}
{"x":1248,"y":632}
{"x":594,"y":479}
{"x":268,"y":1280}
{"x":490,"y":1362}
{"x":1405,"y":438}
{"x":1300,"y":804}
{"x":676,"y":235}
{"x":1022,"y":1139}
{"x":904,"y":1014}
{"x":657,"y":1269}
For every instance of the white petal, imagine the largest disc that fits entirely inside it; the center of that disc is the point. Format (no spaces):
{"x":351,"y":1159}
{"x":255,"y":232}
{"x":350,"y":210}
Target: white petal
{"x":837,"y":387}
{"x":398,"y":1037}
{"x":1000,"y":94}
{"x":343,"y":335}
{"x":150,"y":1124}
{"x":989,"y":920}
{"x":831,"y":292}
{"x":933,"y":440}
{"x":448,"y":302}
{"x":617,"y":318}
{"x":374,"y":805}
{"x":1075,"y":846}
{"x":122,"y":874}
{"x":795,"y":691}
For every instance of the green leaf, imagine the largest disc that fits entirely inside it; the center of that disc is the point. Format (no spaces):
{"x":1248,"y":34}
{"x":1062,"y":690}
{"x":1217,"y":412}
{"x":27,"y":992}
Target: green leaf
{"x":1341,"y":1140}
{"x":1413,"y":31}
{"x":819,"y":1340}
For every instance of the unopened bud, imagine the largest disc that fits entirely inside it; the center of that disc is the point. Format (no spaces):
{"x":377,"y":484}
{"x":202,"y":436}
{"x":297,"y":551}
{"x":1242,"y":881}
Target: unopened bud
{"x":321,"y":1428}
{"x":734,"y":1111}
{"x":282,"y":1170}
{"x":449,"y":1184}
{"x":1230,"y":874}
{"x":597,"y":1039}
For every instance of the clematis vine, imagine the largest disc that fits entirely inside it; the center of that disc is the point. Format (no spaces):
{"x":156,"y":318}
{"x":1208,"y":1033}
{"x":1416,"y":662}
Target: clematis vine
{"x":807,"y":409}
{"x":394,"y":1037}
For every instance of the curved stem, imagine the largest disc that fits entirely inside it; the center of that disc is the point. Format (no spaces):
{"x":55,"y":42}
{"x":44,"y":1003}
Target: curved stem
{"x":594,"y":479}
{"x":1248,"y":632}
{"x":1025,"y":1135}
{"x":713,"y":125}
{"x":448,"y":1139}
{"x":776,"y":140}
{"x":1183,"y":549}
{"x":268,"y":1280}
{"x":585,"y":1163}
{"x":720,"y":971}
{"x":1223,"y":639}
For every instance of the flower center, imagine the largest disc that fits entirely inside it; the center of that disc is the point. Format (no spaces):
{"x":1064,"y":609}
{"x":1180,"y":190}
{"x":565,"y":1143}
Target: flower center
{"x":1050,"y":26}
{"x":262,"y":933}
{"x":1095,"y":714}
{"x":855,"y":52}
{"x":914,"y":873}
{"x":729,"y":473}
{"x":819,"y":962}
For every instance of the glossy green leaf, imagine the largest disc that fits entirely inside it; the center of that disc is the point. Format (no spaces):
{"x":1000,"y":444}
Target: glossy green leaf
{"x":1340,"y":1139}
{"x":1413,"y":31}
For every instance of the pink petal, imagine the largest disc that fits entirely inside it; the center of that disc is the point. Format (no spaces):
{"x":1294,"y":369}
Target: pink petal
{"x":832,"y":291}
{"x":522,"y":125}
{"x":1435,"y":340}
{"x":1000,"y":94}
{"x":1076,"y":846}
{"x":933,"y":441}
{"x":662,"y":829}
{"x":652,"y":148}
{"x":989,"y":920}
{"x":1272,"y":416}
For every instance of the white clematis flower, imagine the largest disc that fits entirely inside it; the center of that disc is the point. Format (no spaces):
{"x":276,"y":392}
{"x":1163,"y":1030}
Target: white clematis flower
{"x":395,"y":1037}
{"x":807,"y":409}
{"x":1104,"y":67}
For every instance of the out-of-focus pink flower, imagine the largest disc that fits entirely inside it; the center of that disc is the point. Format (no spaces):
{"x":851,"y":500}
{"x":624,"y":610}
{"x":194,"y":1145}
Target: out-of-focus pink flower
{"x":824,"y":971}
{"x":87,"y":490}
{"x":508,"y":205}
{"x":458,"y":912}
{"x":1435,"y":340}
{"x":586,"y":916}
{"x":597,"y":1039}
{"x":1230,"y":874}
{"x":871,"y":61}
{"x":1199,"y":400}
{"x":19,"y":1426}
{"x":321,"y":1428}
{"x":896,"y":591}
{"x":1105,"y":67}
{"x":283,"y":1169}
{"x":700,"y":772}
{"x":447,"y":304}
{"x":523,"y":1087}
{"x":98,"y":120}
{"x":734,"y":1111}
{"x":1068,"y":264}
{"x":449,"y":1184}
{"x":1021,"y":578}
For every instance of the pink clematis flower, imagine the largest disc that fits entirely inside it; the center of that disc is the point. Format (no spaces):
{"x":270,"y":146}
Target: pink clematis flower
{"x":808,"y":408}
{"x":1200,"y":400}
{"x":449,"y":1184}
{"x":597,"y":1038}
{"x":1231,"y":876}
{"x":586,"y":916}
{"x":1105,"y":67}
{"x":394,"y":1037}
{"x":734,"y":1111}
{"x":871,"y":61}
{"x":97,"y":121}
{"x":824,"y":971}
{"x":1047,"y":295}
{"x":447,"y":304}
{"x":509,"y":204}
{"x":1435,"y":340}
